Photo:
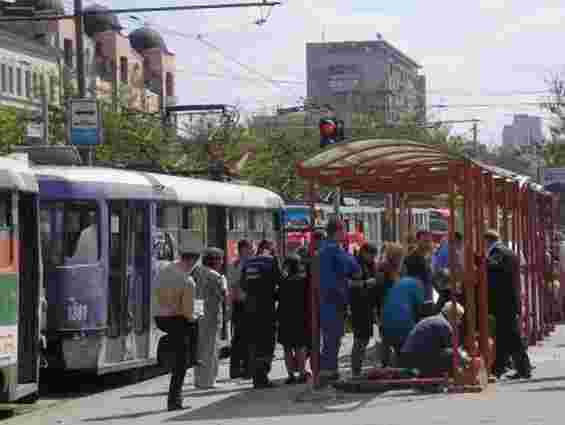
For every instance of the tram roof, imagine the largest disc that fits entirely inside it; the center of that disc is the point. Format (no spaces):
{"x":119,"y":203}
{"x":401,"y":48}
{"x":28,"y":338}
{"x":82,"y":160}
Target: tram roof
{"x":16,"y":174}
{"x":387,"y":165}
{"x":207,"y":192}
{"x":131,"y":184}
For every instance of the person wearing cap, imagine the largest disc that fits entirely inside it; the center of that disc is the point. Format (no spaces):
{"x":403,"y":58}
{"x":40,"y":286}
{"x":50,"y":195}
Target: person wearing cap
{"x":363,"y":300}
{"x":213,"y":289}
{"x":239,"y":358}
{"x":260,"y":279}
{"x":503,"y":270}
{"x":175,"y":315}
{"x":336,"y":268}
{"x":429,"y":346}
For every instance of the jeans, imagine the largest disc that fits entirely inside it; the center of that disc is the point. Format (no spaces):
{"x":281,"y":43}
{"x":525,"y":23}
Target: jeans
{"x":358,"y":354}
{"x":332,"y":330}
{"x":429,"y":365}
{"x":239,"y":356}
{"x":178,"y":329}
{"x":391,"y":342}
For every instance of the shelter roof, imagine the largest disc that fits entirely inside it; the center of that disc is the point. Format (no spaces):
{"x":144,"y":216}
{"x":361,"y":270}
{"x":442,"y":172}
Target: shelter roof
{"x":382,"y":165}
{"x":386,"y":165}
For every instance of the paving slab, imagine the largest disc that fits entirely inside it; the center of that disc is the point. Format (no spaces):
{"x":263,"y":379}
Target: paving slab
{"x":536,"y":401}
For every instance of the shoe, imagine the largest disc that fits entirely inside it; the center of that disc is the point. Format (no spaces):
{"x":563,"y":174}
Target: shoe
{"x":524,"y":375}
{"x":171,"y":407}
{"x":290,"y":380}
{"x":236,"y":375}
{"x":304,"y":377}
{"x":263,"y":385}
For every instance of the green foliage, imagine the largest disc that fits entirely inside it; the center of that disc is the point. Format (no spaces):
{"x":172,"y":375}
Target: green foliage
{"x":554,"y":151}
{"x":12,"y":128}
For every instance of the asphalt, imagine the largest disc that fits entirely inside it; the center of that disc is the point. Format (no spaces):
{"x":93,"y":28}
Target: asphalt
{"x":536,"y":401}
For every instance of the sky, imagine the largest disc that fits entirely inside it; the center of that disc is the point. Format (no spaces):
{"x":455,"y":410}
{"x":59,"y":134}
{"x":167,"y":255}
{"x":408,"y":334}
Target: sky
{"x":498,"y":53}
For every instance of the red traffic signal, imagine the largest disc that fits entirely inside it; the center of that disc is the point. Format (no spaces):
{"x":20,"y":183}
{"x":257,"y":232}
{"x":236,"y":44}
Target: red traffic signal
{"x":328,"y":128}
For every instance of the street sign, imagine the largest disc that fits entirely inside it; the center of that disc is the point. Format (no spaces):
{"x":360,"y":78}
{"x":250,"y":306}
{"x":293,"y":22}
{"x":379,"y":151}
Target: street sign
{"x":85,"y":122}
{"x":34,"y":130}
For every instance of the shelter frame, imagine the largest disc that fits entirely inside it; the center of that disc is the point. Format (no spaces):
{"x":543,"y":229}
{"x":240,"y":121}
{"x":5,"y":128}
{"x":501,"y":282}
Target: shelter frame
{"x":425,"y":174}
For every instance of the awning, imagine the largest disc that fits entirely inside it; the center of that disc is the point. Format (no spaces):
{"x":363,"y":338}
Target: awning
{"x":388,"y":166}
{"x":382,"y":165}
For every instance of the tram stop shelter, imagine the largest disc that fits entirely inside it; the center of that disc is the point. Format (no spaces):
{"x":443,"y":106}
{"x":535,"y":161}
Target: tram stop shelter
{"x":479,"y":197}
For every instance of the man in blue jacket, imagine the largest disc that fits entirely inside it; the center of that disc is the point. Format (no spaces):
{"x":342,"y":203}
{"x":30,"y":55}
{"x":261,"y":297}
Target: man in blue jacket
{"x":337,"y":268}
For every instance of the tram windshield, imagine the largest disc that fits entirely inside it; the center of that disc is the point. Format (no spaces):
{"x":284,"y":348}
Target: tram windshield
{"x":297,"y":218}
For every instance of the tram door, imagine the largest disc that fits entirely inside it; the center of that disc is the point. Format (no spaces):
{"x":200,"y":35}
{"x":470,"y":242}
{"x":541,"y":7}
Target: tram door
{"x":129,"y":280}
{"x":29,"y":287}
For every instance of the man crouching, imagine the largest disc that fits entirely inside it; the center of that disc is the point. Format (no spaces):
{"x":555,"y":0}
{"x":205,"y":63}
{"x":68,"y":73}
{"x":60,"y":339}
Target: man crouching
{"x":429,"y":346}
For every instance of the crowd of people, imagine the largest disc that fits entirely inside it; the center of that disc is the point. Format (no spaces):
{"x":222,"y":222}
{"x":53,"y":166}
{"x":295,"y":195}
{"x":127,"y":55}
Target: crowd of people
{"x":402,"y":291}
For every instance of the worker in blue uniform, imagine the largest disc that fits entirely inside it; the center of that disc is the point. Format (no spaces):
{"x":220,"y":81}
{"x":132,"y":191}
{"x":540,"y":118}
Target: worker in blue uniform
{"x":260,"y":279}
{"x":337,"y":268}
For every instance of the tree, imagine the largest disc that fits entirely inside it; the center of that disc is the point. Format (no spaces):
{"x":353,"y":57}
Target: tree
{"x":12,"y":128}
{"x":554,"y":150}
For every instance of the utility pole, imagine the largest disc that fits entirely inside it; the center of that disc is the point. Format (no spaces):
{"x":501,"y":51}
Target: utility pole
{"x":79,"y":34}
{"x":45,"y":116}
{"x":476,"y":138}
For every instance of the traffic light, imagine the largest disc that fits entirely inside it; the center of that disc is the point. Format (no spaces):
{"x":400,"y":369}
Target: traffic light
{"x":328,"y":132}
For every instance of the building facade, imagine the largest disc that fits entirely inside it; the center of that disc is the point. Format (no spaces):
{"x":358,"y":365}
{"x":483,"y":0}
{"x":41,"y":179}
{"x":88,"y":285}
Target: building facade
{"x":525,"y":131}
{"x":137,"y":69}
{"x":27,"y":68}
{"x":366,"y":77}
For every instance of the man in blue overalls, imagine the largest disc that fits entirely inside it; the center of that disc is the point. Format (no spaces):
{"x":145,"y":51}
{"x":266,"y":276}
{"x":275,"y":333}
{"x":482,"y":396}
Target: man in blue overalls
{"x":337,"y":267}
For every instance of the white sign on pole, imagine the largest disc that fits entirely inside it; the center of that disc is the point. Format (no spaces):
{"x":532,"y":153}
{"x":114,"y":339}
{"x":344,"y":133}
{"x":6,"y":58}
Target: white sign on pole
{"x":85,"y":123}
{"x":35,"y":130}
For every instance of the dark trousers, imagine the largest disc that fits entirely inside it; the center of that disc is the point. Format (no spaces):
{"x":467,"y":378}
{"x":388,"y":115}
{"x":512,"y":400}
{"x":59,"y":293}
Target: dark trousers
{"x":239,"y":356}
{"x":430,"y":365}
{"x":178,"y":328}
{"x":261,"y":348}
{"x":391,"y":342}
{"x":509,"y":344}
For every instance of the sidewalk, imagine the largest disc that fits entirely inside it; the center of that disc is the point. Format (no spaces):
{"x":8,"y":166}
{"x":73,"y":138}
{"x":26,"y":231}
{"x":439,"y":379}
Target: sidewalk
{"x":536,"y":401}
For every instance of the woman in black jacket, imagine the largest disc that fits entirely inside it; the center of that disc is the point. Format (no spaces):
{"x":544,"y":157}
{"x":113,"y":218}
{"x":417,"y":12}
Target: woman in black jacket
{"x":363,"y":300}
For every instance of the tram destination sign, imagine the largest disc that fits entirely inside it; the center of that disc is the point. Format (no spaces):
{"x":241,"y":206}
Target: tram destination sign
{"x":85,"y":122}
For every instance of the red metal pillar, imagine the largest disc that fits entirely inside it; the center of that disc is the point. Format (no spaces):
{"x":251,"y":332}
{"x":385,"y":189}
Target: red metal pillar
{"x":493,"y":212}
{"x":530,"y":274}
{"x":482,"y":282}
{"x":314,"y":280}
{"x":452,"y":191}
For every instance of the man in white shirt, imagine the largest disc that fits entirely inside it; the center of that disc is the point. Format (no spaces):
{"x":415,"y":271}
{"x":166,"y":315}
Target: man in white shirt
{"x":175,"y":315}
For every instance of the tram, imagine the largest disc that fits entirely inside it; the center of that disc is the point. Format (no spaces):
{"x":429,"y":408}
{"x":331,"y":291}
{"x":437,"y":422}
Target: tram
{"x":20,"y":281}
{"x":362,"y":223}
{"x":106,"y":232}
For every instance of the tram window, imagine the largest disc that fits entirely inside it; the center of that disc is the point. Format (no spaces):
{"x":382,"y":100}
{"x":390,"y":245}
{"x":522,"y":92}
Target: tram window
{"x":192,"y":218}
{"x":236,"y":219}
{"x":231,"y":220}
{"x":52,"y":247}
{"x":252,"y":224}
{"x":80,"y":232}
{"x":6,"y":230}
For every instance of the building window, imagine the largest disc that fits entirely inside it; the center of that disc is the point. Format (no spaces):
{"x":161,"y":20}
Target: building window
{"x":68,"y":51}
{"x":11,"y":80}
{"x":28,"y":84}
{"x":170,"y":84}
{"x":124,"y":70}
{"x":3,"y":77}
{"x":19,"y":88}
